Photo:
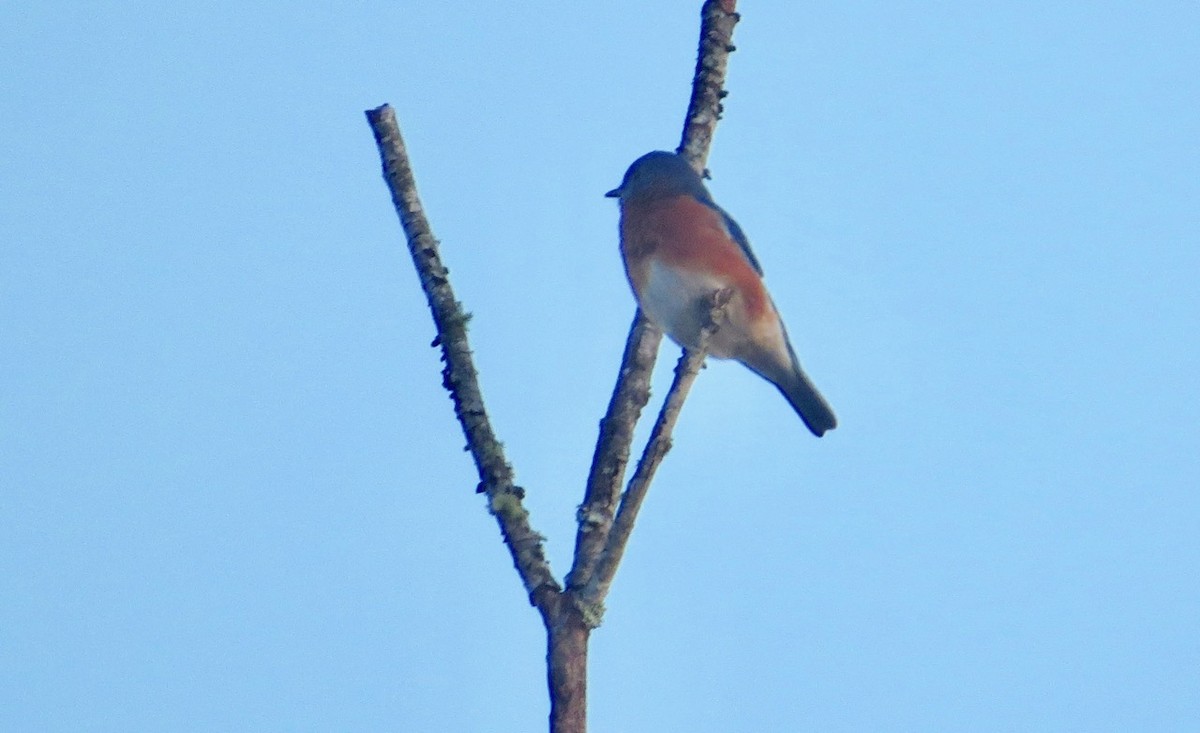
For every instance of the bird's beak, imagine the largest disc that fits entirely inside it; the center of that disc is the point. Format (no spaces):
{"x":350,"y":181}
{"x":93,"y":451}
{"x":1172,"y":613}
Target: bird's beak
{"x":613,"y":194}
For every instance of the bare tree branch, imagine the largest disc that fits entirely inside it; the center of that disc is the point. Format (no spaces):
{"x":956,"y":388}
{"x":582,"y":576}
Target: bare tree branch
{"x":598,"y":511}
{"x":717,"y":19}
{"x":603,"y":527}
{"x":630,"y":395}
{"x":459,"y":375}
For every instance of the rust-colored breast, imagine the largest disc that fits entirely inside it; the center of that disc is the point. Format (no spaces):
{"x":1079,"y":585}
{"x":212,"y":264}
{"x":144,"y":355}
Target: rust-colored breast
{"x":681,"y":232}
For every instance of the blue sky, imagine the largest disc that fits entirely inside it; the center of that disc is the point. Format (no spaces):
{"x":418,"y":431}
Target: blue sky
{"x":233,"y":493}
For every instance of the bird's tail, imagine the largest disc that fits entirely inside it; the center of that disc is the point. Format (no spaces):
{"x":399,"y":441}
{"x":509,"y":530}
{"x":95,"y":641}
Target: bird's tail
{"x":807,"y":401}
{"x":780,"y":367}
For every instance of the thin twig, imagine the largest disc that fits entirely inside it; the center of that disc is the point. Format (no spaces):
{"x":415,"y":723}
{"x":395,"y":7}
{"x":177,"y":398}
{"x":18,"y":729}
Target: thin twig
{"x":718,"y":17}
{"x":686,"y":370}
{"x":459,"y":375}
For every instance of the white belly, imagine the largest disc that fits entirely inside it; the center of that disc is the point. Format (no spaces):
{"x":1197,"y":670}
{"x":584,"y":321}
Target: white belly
{"x":677,"y":302}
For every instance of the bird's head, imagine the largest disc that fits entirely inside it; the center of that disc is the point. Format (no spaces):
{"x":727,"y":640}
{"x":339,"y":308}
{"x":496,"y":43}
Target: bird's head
{"x":659,"y":173}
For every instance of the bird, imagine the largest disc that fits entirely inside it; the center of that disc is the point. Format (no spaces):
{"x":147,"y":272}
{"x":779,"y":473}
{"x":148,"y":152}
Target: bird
{"x":681,"y":251}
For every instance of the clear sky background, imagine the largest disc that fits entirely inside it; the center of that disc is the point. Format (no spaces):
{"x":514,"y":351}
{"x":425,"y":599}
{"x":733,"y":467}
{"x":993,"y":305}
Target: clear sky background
{"x":233,"y":495}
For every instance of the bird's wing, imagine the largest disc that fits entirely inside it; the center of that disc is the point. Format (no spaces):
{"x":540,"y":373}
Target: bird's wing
{"x":736,"y":233}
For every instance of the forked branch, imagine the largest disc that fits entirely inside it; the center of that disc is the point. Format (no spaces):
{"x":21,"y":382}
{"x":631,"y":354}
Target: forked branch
{"x":603,"y":528}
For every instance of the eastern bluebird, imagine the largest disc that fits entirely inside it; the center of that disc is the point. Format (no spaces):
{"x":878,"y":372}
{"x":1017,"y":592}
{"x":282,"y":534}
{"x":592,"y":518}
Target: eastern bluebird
{"x":680,"y":249}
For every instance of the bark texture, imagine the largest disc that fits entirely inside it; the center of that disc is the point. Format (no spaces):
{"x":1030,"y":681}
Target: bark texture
{"x":657,"y":446}
{"x":629,"y":397}
{"x":566,"y":668}
{"x":459,"y":375}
